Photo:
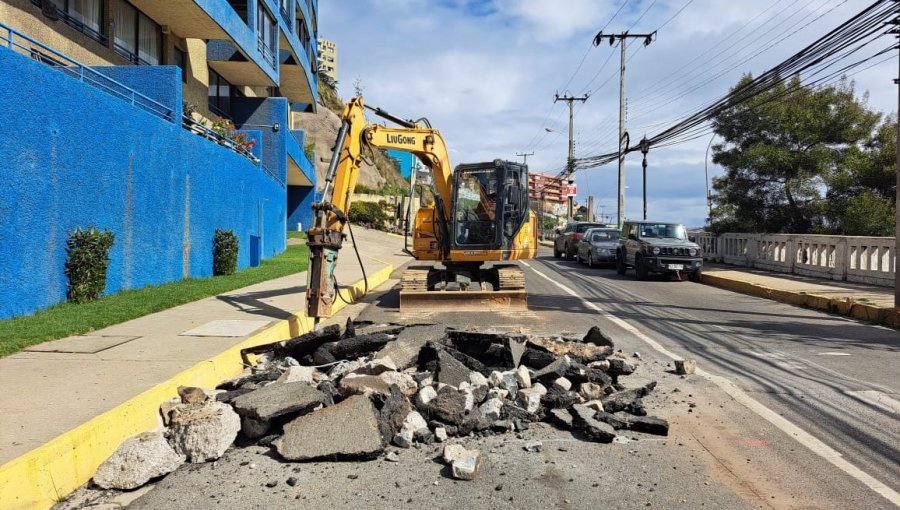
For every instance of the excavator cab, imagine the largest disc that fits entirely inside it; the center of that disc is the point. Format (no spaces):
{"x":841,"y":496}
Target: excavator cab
{"x":490,"y":204}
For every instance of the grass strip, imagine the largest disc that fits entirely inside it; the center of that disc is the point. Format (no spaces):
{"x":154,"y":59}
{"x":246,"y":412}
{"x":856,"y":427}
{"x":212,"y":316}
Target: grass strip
{"x":66,"y":319}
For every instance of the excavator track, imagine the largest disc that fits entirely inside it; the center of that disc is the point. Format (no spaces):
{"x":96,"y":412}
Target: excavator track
{"x":422,"y":289}
{"x":510,"y":277}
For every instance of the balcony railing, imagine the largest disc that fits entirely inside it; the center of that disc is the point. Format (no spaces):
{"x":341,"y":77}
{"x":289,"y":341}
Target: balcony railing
{"x":267,"y":53}
{"x":130,"y":55}
{"x":24,"y":45}
{"x":72,"y":21}
{"x":288,"y":19}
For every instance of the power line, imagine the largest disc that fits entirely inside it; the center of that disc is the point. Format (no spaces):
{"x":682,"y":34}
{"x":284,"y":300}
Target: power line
{"x":831,"y":48}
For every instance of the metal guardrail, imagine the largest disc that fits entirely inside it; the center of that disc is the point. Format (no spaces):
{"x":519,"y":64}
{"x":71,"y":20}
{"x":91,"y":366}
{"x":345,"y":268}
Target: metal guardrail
{"x":204,"y":131}
{"x":871,"y":260}
{"x":16,"y":41}
{"x":267,"y":53}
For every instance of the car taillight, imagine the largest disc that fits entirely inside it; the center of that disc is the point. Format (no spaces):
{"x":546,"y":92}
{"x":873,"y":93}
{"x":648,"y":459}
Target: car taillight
{"x":576,"y":237}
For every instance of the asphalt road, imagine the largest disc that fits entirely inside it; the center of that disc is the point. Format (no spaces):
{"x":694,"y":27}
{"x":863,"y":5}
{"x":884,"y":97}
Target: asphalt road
{"x":793,"y":409}
{"x":837,"y":379}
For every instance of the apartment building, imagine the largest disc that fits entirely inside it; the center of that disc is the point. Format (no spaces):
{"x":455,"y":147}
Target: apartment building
{"x":160,"y":120}
{"x":328,"y":58}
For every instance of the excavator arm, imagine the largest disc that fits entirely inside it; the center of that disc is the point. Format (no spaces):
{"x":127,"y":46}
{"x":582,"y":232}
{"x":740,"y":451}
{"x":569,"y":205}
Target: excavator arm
{"x":326,"y":236}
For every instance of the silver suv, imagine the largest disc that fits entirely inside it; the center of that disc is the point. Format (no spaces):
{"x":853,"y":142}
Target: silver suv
{"x":658,"y":247}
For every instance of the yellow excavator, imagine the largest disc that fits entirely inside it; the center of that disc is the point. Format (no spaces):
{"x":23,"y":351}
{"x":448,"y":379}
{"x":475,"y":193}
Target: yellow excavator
{"x":479,"y":222}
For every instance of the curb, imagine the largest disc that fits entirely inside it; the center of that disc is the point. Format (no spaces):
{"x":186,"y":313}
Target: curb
{"x":843,"y":306}
{"x":45,"y":475}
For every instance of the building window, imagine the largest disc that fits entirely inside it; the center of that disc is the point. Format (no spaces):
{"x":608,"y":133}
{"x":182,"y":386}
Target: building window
{"x":240,"y":7}
{"x":266,"y":29}
{"x":138,"y":38}
{"x":220,"y":94}
{"x":181,"y":62}
{"x":86,"y":16}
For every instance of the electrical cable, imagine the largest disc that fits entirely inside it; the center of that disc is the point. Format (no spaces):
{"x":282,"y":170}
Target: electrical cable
{"x":835,"y":46}
{"x":337,"y":288}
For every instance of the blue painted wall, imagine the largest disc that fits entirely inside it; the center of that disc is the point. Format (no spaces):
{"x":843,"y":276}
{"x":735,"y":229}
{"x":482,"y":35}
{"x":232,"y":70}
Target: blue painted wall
{"x":300,"y":198}
{"x":75,"y":156}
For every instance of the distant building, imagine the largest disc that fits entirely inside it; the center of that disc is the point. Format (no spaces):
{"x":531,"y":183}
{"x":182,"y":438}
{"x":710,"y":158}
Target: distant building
{"x":328,"y":59}
{"x":551,"y":190}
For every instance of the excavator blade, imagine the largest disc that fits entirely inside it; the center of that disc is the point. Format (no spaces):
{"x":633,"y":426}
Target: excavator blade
{"x":421,"y":291}
{"x":464,"y":301}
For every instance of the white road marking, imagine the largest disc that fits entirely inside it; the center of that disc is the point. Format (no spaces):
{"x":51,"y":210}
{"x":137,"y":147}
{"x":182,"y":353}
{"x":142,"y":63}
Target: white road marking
{"x":877,"y":399}
{"x":834,"y":354}
{"x":803,"y":437}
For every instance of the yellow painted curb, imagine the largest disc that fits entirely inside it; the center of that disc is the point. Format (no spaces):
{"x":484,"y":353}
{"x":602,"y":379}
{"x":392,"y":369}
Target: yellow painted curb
{"x":844,"y":306}
{"x":39,"y":478}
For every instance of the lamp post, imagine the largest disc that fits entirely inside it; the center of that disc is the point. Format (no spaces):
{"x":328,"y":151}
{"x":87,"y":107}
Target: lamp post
{"x":706,"y":172}
{"x":645,"y":148}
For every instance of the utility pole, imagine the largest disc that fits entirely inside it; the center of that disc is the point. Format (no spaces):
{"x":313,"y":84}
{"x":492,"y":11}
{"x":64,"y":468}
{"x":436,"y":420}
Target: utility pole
{"x":622,"y":38}
{"x":525,"y":156}
{"x":590,"y":208}
{"x":570,"y":162}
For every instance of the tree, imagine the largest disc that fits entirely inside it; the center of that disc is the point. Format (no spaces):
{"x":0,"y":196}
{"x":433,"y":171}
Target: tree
{"x":862,"y":193}
{"x":781,"y":147}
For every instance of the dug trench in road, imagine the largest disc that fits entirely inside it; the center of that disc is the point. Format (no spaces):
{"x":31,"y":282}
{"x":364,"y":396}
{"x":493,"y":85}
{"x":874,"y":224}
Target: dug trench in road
{"x":569,"y":473}
{"x":835,"y":378}
{"x":719,"y":454}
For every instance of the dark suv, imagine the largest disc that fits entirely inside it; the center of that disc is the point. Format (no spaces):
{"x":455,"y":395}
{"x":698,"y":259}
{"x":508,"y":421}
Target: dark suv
{"x":658,"y":247}
{"x":566,"y":243}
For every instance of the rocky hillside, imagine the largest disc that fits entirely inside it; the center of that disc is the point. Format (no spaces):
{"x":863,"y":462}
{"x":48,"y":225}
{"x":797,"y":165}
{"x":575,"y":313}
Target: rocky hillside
{"x":321,"y":130}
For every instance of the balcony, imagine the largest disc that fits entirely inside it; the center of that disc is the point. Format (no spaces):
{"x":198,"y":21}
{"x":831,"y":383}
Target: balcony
{"x":232,"y":50}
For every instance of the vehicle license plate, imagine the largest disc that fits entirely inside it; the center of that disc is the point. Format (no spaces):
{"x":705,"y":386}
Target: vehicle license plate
{"x":676,"y":267}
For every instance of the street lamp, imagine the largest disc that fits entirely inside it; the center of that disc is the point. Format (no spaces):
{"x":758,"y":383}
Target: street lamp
{"x":645,"y":148}
{"x":706,"y":172}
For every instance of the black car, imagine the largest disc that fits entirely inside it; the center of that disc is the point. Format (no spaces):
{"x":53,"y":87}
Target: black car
{"x":598,"y":247}
{"x":566,"y":242}
{"x":658,"y":247}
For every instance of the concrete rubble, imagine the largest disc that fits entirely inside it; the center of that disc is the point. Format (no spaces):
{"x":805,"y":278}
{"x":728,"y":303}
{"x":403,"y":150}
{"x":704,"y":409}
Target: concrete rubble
{"x":137,"y":461}
{"x":364,"y":390}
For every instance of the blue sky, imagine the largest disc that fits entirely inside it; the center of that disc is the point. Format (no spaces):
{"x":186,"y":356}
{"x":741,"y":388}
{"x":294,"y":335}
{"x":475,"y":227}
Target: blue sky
{"x":485,"y":73}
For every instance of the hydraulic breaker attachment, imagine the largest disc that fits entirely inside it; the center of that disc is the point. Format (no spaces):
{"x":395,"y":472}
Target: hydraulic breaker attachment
{"x":323,"y":255}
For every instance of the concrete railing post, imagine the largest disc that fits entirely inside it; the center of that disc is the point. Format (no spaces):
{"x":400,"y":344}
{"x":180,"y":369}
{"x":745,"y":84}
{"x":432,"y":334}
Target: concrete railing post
{"x":791,"y":258}
{"x":841,"y":259}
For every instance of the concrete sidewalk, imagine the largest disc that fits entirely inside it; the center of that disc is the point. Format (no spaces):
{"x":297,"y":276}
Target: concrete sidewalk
{"x":81,"y":396}
{"x":866,"y":302}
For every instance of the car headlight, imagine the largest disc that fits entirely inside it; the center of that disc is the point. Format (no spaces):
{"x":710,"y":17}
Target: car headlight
{"x":693,"y":252}
{"x":655,"y":250}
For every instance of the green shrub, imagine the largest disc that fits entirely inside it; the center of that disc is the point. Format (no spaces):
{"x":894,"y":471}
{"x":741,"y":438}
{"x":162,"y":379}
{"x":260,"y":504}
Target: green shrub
{"x":368,"y":212}
{"x":225,"y":252}
{"x":87,"y":260}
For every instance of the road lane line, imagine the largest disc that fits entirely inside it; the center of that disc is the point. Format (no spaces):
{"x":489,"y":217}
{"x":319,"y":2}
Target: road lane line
{"x":803,"y":437}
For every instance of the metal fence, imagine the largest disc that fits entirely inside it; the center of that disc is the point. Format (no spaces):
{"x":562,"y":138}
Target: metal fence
{"x":24,"y":45}
{"x":871,"y":260}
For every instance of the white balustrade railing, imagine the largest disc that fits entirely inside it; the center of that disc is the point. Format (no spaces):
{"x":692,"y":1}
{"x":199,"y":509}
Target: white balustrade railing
{"x":870,"y":260}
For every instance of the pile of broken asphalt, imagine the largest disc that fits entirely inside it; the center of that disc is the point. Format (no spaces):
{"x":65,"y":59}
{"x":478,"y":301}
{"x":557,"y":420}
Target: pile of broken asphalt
{"x":346,"y":394}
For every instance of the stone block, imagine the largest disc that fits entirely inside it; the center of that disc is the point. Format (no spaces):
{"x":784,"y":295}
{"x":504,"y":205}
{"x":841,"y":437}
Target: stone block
{"x":297,"y":374}
{"x":202,"y":432}
{"x":137,"y":461}
{"x":467,"y":466}
{"x":685,"y":366}
{"x":492,"y":409}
